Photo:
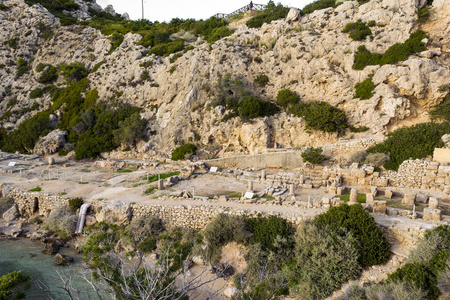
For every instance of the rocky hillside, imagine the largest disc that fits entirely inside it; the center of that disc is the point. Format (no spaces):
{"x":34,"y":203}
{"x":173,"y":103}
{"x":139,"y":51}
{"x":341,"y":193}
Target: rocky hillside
{"x":308,"y":54}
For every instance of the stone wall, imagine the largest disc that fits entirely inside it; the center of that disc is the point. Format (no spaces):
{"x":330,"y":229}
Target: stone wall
{"x":30,"y":203}
{"x":288,"y":159}
{"x":196,"y":217}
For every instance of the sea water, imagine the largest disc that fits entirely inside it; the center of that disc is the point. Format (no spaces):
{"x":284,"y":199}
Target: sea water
{"x":26,"y":256}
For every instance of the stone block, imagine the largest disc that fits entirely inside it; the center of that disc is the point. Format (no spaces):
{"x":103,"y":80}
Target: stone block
{"x":223,"y":199}
{"x":380,"y":182}
{"x":440,"y":180}
{"x":307,"y":186}
{"x":433,"y":203}
{"x":369,"y":198}
{"x":354,"y":166}
{"x":376,"y":174}
{"x":388,"y":194}
{"x":374,"y":190}
{"x":340,"y":191}
{"x":11,"y":214}
{"x":353,"y":196}
{"x":51,"y":161}
{"x":160,"y":184}
{"x":408,"y":199}
{"x":432,"y":214}
{"x":392,"y":212}
{"x":335,"y":202}
{"x":421,"y":198}
{"x":249,"y":201}
{"x":332,"y":190}
{"x":379,"y":207}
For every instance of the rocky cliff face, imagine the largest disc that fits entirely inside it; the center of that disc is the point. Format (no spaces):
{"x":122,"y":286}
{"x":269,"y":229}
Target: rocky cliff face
{"x":310,"y":56}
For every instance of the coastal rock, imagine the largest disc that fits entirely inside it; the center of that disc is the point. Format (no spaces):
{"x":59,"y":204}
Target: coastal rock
{"x":11,"y":214}
{"x":293,"y":15}
{"x":231,"y":292}
{"x":63,"y":260}
{"x":51,"y":248}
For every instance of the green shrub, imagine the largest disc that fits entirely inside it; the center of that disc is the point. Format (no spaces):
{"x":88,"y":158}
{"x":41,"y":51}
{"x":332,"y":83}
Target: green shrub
{"x":97,"y":66}
{"x":262,"y":80}
{"x":314,"y":156}
{"x":425,"y":137}
{"x":396,"y":291}
{"x":3,"y":6}
{"x":372,"y":246}
{"x":364,"y":90}
{"x":395,"y":53}
{"x":116,"y":40}
{"x":155,"y":177}
{"x":358,"y":129}
{"x":172,"y":69}
{"x":286,"y":97}
{"x":222,"y":230}
{"x":321,"y":116}
{"x":174,"y":58}
{"x":12,"y":285}
{"x":12,"y":102}
{"x":74,"y":71}
{"x":270,"y":13}
{"x":22,"y":67}
{"x":143,"y":232}
{"x":218,"y":33}
{"x":167,"y":48}
{"x":48,"y":73}
{"x":357,"y":31}
{"x":441,"y":111}
{"x":75,"y":203}
{"x":46,"y":32}
{"x":324,"y":261}
{"x":252,"y":107}
{"x":36,"y":189}
{"x":424,"y":14}
{"x":36,"y":93}
{"x":372,"y":23}
{"x":61,"y":221}
{"x":265,"y":230}
{"x":317,"y":5}
{"x":131,"y":130}
{"x":417,"y":275}
{"x":184,"y":151}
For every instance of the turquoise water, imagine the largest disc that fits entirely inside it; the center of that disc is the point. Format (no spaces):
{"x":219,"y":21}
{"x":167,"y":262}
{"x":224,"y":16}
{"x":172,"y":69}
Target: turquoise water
{"x":26,"y":256}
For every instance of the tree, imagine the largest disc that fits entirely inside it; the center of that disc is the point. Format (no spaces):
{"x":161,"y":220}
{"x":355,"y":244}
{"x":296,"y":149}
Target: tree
{"x":131,"y":130}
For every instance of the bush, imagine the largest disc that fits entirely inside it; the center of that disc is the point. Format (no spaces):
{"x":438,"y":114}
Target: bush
{"x":364,"y":90}
{"x":271,"y":13}
{"x":3,"y":6}
{"x":358,"y":157}
{"x":74,"y":71}
{"x":424,"y":14}
{"x":322,"y":116}
{"x":372,"y":246}
{"x":314,"y":156}
{"x":286,"y":97}
{"x":143,"y":233}
{"x":12,"y":285}
{"x":97,"y":66}
{"x":394,"y":291}
{"x":36,"y":93}
{"x":131,"y":130}
{"x":252,"y":107}
{"x":441,"y":111}
{"x":425,"y":137}
{"x":116,"y":40}
{"x":358,"y":30}
{"x":376,"y":159}
{"x":317,"y":5}
{"x":418,"y":276}
{"x":324,"y":261}
{"x":395,"y":53}
{"x":48,"y":73}
{"x":222,"y":230}
{"x":61,"y":221}
{"x":75,"y":203}
{"x":22,"y":67}
{"x":262,"y":80}
{"x":184,"y":151}
{"x":167,"y":48}
{"x":219,"y":33}
{"x":265,"y":230}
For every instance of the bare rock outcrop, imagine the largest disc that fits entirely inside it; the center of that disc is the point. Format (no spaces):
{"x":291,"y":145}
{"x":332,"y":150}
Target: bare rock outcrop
{"x":51,"y":143}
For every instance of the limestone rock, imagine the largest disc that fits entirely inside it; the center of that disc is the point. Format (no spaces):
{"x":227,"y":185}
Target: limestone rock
{"x":110,"y":9}
{"x":433,"y":203}
{"x":388,"y":194}
{"x":293,"y":15}
{"x":408,"y":199}
{"x":51,"y":143}
{"x":11,"y":214}
{"x":117,"y":212}
{"x":231,"y":292}
{"x":432,"y":214}
{"x":63,"y":260}
{"x":421,"y":198}
{"x":51,"y":248}
{"x":90,"y":220}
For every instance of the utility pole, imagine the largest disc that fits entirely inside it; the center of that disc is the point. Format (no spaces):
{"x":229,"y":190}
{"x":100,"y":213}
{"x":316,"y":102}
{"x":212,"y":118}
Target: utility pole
{"x":142,"y":9}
